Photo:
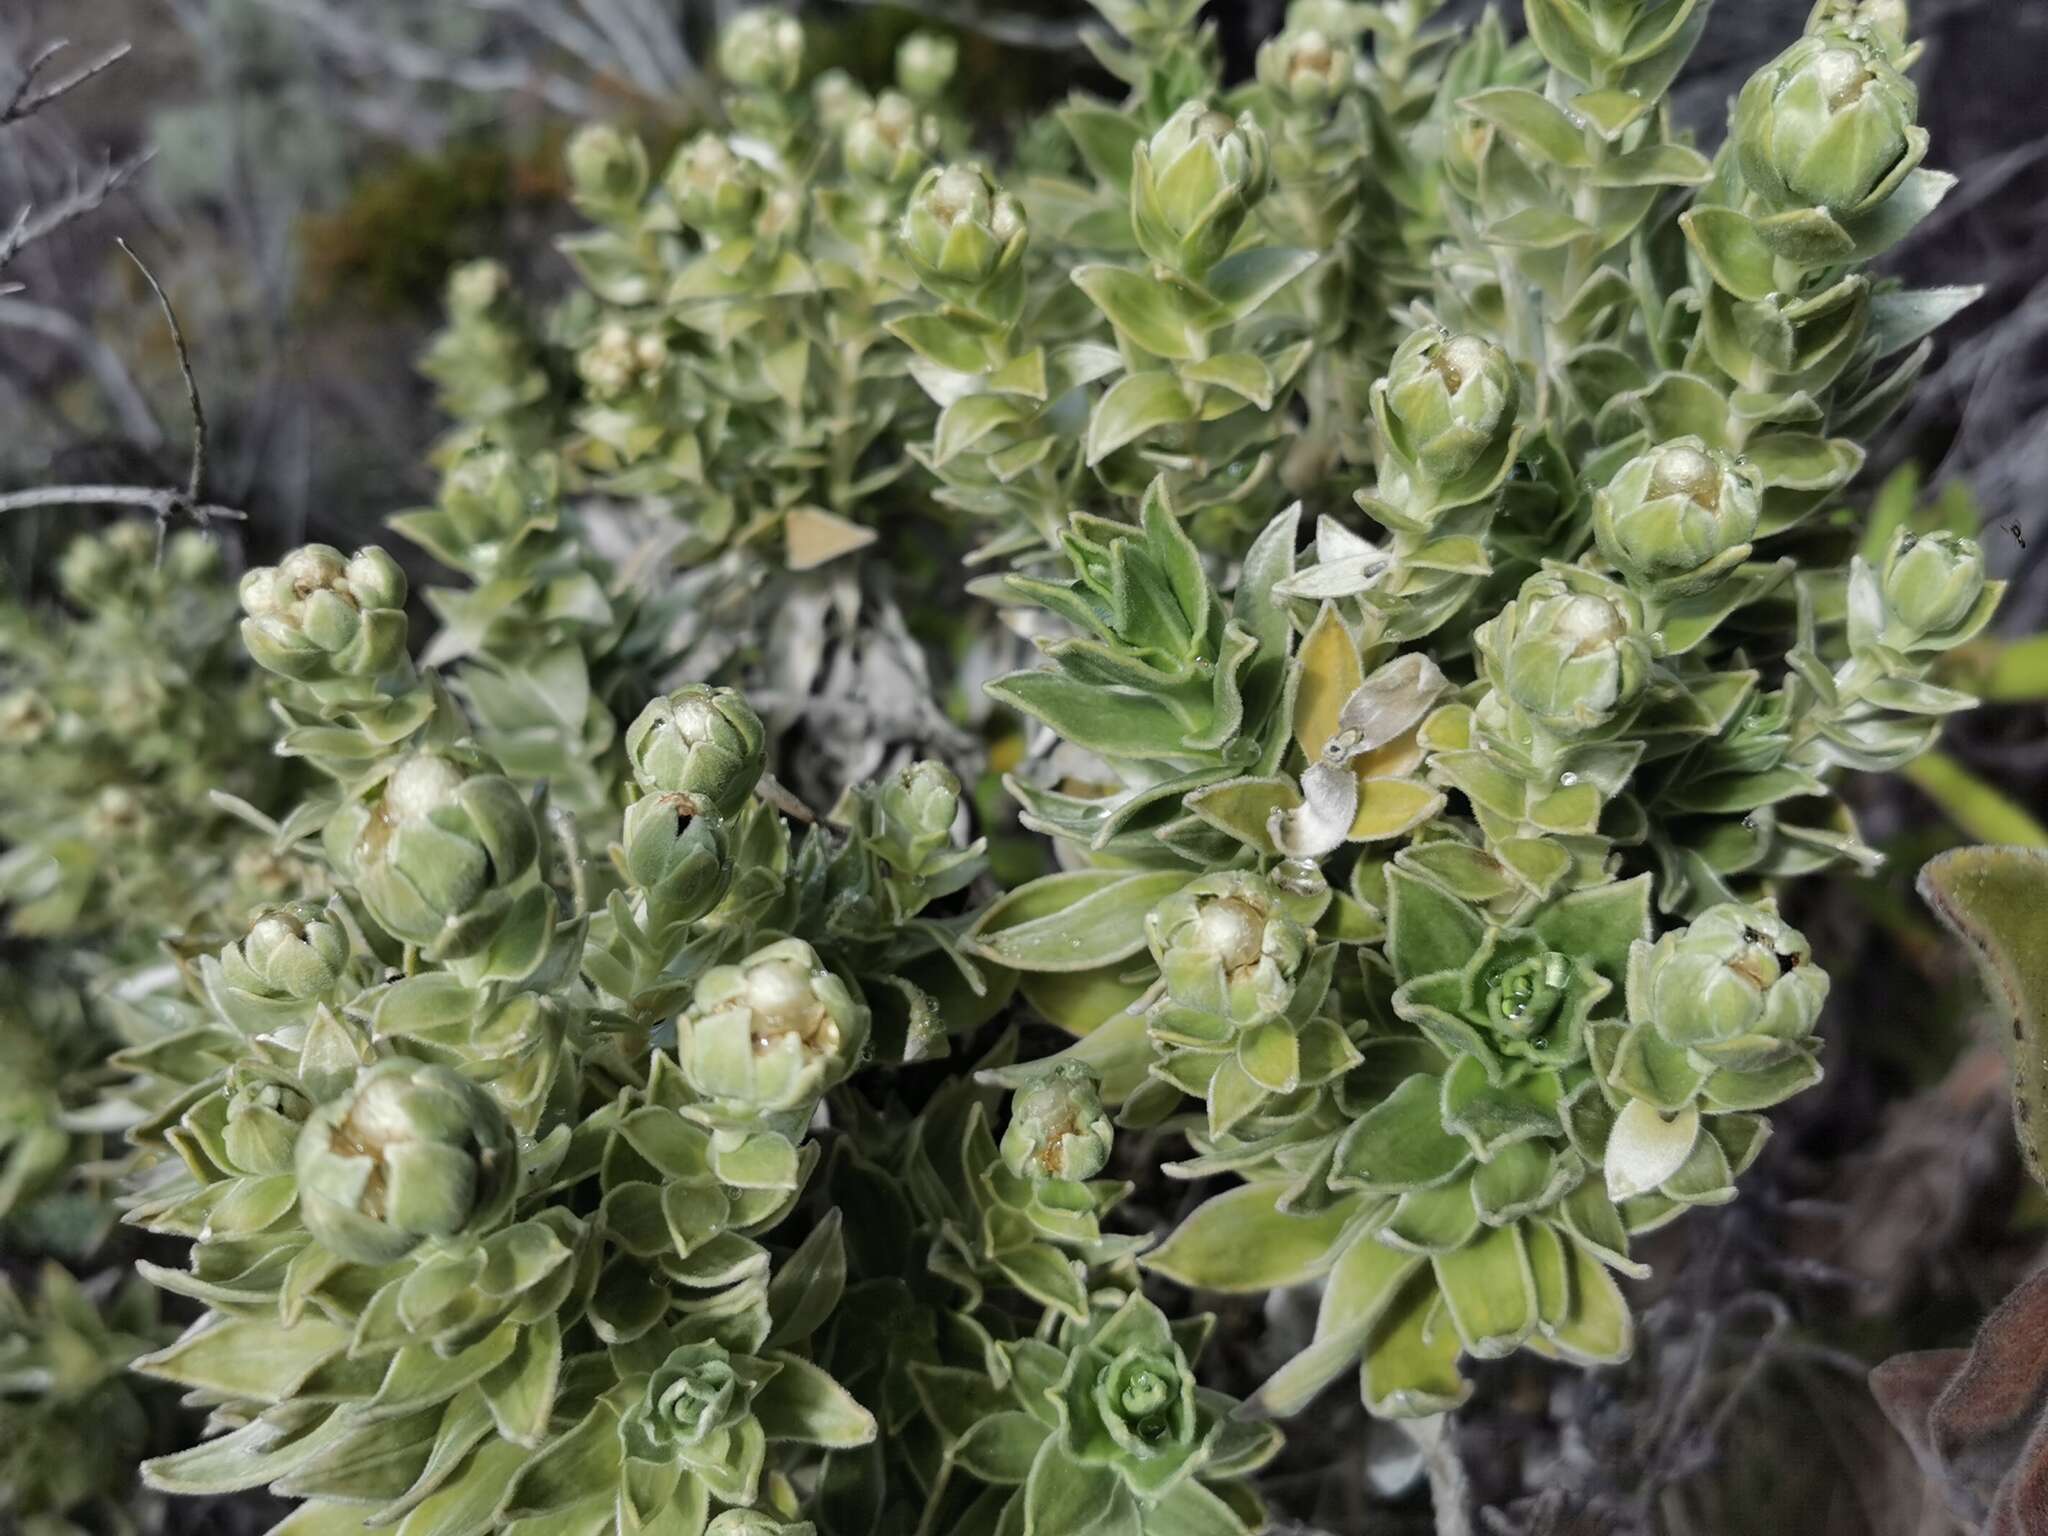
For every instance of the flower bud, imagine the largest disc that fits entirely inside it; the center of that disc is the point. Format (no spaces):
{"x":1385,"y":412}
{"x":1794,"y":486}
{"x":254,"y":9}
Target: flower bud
{"x":961,"y":231}
{"x":1932,"y":582}
{"x":433,"y":854}
{"x":294,"y":951}
{"x":1306,"y":67}
{"x":676,"y":855}
{"x":317,"y":616}
{"x":25,"y":718}
{"x":1829,"y":124}
{"x":99,"y":568}
{"x":919,"y":806}
{"x":1195,"y":183}
{"x":607,"y":168}
{"x":475,"y":287}
{"x":1573,"y":659}
{"x":1678,"y":517}
{"x":771,"y":1034}
{"x":264,"y":1116}
{"x":1146,"y":1400}
{"x":925,"y":62}
{"x":1450,"y":399}
{"x":617,"y":361}
{"x":836,"y":99}
{"x":490,"y":497}
{"x":190,"y":556}
{"x":700,"y":1391}
{"x":120,"y":817}
{"x":884,"y":144}
{"x":1737,"y":987}
{"x":1058,"y":1128}
{"x":701,"y":743}
{"x":715,"y":189}
{"x":410,"y":1152}
{"x":1225,"y":946}
{"x":1884,"y":21}
{"x":762,"y":51}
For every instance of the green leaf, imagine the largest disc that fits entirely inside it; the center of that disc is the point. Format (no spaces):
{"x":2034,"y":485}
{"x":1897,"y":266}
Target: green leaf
{"x":1400,"y":1143}
{"x":803,"y":1403}
{"x":1490,"y":1291}
{"x":1996,"y":901}
{"x":807,"y":1288}
{"x":1367,"y":1277}
{"x":1242,"y":1241}
{"x":1105,"y":138}
{"x":1597,"y":925}
{"x":1427,"y":929}
{"x":1244,"y":281}
{"x":1411,"y":1361}
{"x":1190,"y":1509}
{"x":1534,"y":121}
{"x":1734,"y":255}
{"x":1240,"y":373}
{"x":1000,"y":1448}
{"x":967,"y":421}
{"x":579,"y":1465}
{"x":1537,"y":229}
{"x":247,"y":1357}
{"x":1135,"y":404}
{"x":1095,"y":719}
{"x":1066,"y":1497}
{"x":1900,"y":319}
{"x":520,"y":1391}
{"x":1141,"y":307}
{"x":1080,"y":920}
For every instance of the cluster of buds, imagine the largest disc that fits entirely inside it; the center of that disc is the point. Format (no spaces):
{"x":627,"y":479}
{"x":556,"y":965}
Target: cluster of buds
{"x":888,"y":142}
{"x":1677,"y":519}
{"x":1571,"y":651}
{"x":617,"y":361}
{"x":324,"y":617}
{"x":701,"y":744}
{"x":765,"y":1038}
{"x":1825,"y":135}
{"x":965,"y":237}
{"x":438,"y":851}
{"x":715,"y":189}
{"x":411,"y":1152}
{"x":1307,"y":67}
{"x":1193,"y":185}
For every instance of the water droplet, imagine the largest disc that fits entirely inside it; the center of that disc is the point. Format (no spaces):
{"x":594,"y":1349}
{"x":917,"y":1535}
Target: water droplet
{"x":1567,"y":779}
{"x":1751,"y":822}
{"x":1073,"y":943}
{"x":1575,"y":120}
{"x":1907,"y":541}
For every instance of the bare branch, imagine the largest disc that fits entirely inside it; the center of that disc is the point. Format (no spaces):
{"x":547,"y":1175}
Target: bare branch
{"x":25,"y":100}
{"x":30,"y":226}
{"x":167,"y":502}
{"x":195,"y":484}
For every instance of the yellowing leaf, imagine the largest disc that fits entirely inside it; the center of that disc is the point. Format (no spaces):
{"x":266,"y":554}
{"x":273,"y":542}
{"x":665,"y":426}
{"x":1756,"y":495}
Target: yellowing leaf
{"x":1391,"y":807}
{"x":1329,"y":672}
{"x":812,"y":538}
